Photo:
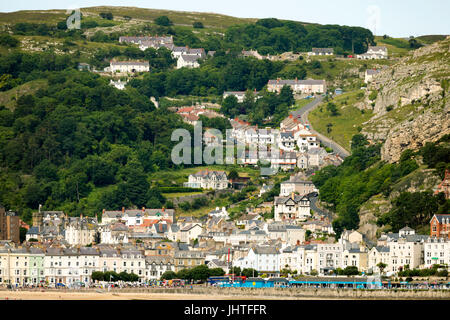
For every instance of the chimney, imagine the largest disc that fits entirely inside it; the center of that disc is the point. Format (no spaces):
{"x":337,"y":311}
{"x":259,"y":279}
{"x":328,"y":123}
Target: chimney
{"x":296,"y":79}
{"x":143,"y":209}
{"x":163,"y":209}
{"x":123,"y":209}
{"x":103,"y":212}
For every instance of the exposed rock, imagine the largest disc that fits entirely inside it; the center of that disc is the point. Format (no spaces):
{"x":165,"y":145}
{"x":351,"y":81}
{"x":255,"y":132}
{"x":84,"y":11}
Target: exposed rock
{"x":427,"y":127}
{"x":414,"y":86}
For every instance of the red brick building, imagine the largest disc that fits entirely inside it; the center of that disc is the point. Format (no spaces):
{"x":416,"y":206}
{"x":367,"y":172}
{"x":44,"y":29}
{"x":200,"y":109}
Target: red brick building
{"x":440,"y":226}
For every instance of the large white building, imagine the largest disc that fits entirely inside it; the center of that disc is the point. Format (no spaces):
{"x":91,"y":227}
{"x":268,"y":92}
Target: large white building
{"x":436,"y":251}
{"x":262,"y":259}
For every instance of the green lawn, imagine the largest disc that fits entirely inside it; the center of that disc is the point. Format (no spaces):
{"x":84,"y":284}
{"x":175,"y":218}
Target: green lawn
{"x":345,"y":125}
{"x":180,"y":194}
{"x":300,"y":104}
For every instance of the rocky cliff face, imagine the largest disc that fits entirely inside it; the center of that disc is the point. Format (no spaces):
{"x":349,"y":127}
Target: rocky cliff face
{"x":410,"y":108}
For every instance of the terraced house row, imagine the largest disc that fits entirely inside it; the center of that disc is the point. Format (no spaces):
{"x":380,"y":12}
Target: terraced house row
{"x":39,"y":265}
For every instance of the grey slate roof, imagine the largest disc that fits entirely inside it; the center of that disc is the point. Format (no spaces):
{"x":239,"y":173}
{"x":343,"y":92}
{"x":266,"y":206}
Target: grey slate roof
{"x":266,"y":250}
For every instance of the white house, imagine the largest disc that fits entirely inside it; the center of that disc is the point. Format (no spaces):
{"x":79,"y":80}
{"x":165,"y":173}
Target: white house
{"x":188,"y":61}
{"x":287,"y":141}
{"x":206,"y":179}
{"x":293,"y":208}
{"x":190,"y":232}
{"x":374,"y":52}
{"x":306,"y":140}
{"x":81,"y":231}
{"x":155,"y":266}
{"x":377,"y":255}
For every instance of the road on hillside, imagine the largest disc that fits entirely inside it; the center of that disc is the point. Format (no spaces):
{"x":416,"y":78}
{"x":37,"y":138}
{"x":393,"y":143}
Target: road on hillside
{"x":302,"y":114}
{"x":316,"y":209}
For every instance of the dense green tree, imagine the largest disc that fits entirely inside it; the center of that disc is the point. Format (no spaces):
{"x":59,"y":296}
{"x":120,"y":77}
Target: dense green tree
{"x":163,"y":21}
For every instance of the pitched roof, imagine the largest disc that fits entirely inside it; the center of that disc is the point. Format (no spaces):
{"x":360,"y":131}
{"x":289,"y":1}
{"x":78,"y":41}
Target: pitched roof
{"x":265,"y":250}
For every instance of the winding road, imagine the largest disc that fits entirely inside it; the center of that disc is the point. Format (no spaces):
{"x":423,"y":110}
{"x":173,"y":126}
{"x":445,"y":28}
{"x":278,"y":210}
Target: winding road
{"x":302,"y":114}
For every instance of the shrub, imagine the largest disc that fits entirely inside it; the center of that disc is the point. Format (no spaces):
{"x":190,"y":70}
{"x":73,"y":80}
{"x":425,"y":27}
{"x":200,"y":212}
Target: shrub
{"x":198,"y":25}
{"x":106,"y":15}
{"x":163,"y":21}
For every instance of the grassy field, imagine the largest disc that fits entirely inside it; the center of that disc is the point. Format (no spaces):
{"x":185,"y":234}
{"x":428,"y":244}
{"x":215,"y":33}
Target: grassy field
{"x":345,"y":125}
{"x":180,"y":194}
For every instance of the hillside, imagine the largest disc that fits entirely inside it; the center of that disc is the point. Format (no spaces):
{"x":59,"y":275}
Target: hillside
{"x":408,"y":120}
{"x":212,"y":20}
{"x":412,"y":105}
